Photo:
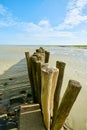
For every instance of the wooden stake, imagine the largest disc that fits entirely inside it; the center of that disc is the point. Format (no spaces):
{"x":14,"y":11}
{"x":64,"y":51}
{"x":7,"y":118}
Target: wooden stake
{"x":67,"y":102}
{"x":47,"y":93}
{"x":33,"y":67}
{"x":40,"y":56}
{"x":61,"y":66}
{"x":28,"y":59}
{"x":40,"y":50}
{"x":54,"y":83}
{"x":38,"y":78}
{"x":47,"y":55}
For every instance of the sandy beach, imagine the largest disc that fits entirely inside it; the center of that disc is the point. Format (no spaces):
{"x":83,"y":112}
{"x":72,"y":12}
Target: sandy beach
{"x":76,"y":69}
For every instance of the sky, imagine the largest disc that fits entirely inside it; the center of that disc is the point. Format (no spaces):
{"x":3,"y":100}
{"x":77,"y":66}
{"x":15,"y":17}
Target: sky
{"x":43,"y":22}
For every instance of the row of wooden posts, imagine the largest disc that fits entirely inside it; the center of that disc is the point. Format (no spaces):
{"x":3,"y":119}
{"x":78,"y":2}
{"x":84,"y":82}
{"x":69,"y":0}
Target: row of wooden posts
{"x":46,"y":83}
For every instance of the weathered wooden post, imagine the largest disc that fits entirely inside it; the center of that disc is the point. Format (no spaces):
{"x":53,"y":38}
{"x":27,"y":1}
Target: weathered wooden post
{"x":39,"y":65}
{"x":67,"y":102}
{"x":54,"y":83}
{"x":27,"y":55}
{"x":40,"y":56}
{"x":61,"y":66}
{"x":47,"y":55}
{"x":34,"y":71}
{"x":37,"y":58}
{"x":41,"y":51}
{"x":49,"y":79}
{"x":33,"y":68}
{"x":38,"y":78}
{"x":28,"y":59}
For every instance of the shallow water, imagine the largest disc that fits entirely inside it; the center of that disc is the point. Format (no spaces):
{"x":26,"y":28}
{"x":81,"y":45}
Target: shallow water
{"x":75,"y":52}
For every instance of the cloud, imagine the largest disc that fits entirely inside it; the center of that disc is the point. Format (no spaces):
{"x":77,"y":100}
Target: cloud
{"x":6,"y":18}
{"x":29,"y":27}
{"x":29,"y":32}
{"x":44,"y":23}
{"x":43,"y":29}
{"x":2,"y":10}
{"x":43,"y":32}
{"x":74,"y":15}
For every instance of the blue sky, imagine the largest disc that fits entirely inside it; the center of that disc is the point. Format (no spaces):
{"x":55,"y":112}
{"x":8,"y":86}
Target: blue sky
{"x":43,"y":22}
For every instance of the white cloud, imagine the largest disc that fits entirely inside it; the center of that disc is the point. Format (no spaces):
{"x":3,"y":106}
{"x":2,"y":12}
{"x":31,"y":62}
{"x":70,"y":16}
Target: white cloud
{"x":42,"y":32}
{"x":6,"y":18}
{"x":27,"y":32}
{"x":74,"y":14}
{"x":2,"y":10}
{"x":42,"y":29}
{"x":42,"y":26}
{"x":44,"y":23}
{"x":28,"y":27}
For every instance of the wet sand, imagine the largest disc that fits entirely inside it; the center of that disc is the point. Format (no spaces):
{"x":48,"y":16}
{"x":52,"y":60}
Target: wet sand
{"x":76,"y":69}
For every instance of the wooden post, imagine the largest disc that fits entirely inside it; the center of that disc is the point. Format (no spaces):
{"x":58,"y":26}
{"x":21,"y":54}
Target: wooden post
{"x":38,"y":78}
{"x":47,"y":55}
{"x":40,"y":50}
{"x":61,"y":66}
{"x":33,"y":68}
{"x":28,"y":59}
{"x":49,"y":79}
{"x":67,"y":102}
{"x":40,"y":55}
{"x":54,"y":83}
{"x":39,"y":65}
{"x":34,"y":71}
{"x":44,"y":65}
{"x":37,"y":58}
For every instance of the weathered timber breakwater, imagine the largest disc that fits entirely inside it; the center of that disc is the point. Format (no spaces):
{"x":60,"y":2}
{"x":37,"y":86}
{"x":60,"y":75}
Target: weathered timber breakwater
{"x":46,"y":89}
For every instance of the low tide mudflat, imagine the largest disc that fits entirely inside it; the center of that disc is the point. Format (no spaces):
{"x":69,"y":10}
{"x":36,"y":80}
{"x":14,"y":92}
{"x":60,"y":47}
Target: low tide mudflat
{"x":76,"y":69}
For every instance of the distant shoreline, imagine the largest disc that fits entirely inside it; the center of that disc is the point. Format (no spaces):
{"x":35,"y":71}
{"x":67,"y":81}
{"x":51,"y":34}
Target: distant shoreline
{"x":81,"y":46}
{"x":76,"y":46}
